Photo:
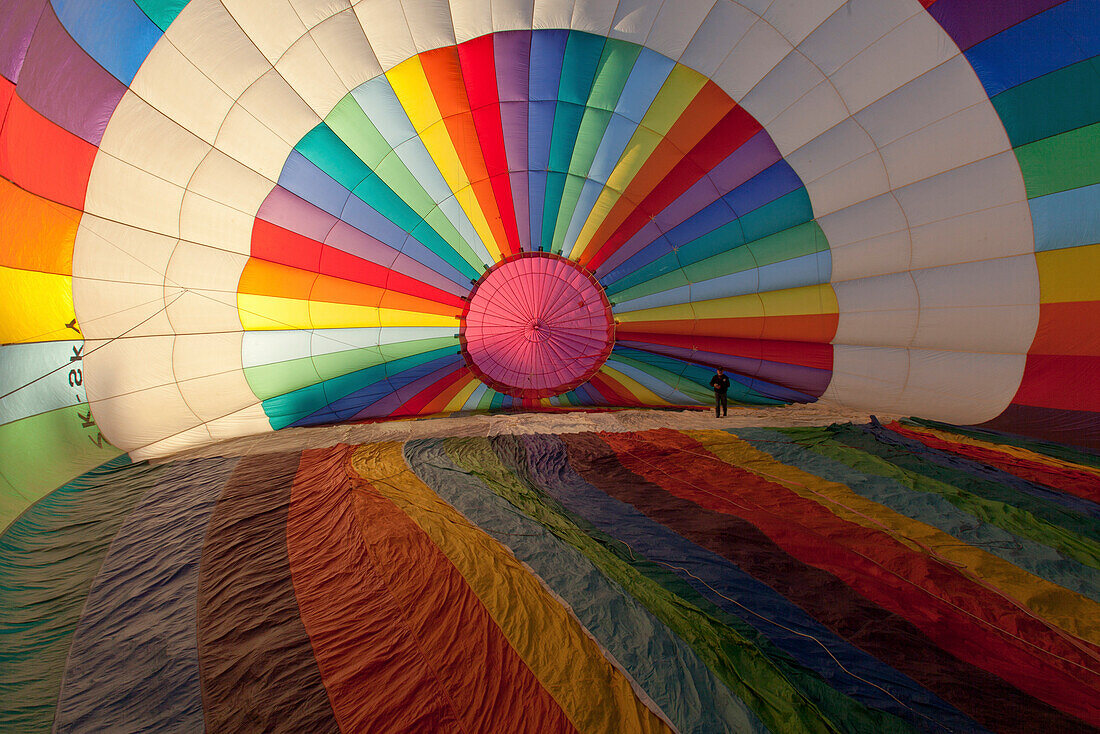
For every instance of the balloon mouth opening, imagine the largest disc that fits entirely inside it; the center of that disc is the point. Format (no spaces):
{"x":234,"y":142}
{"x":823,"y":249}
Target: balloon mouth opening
{"x":536,"y":325}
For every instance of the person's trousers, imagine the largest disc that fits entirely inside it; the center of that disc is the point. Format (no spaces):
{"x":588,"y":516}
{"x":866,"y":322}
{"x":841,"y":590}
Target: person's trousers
{"x":719,"y":404}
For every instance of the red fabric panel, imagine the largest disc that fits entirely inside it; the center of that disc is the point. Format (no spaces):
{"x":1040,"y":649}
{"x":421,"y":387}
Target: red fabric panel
{"x":930,"y":596}
{"x":7,"y":89}
{"x":806,"y":354}
{"x":1068,"y":328}
{"x":1067,"y":382}
{"x":734,"y":129}
{"x":612,"y":392}
{"x":273,"y":243}
{"x":255,"y":659}
{"x":402,"y":642}
{"x":1079,"y":483}
{"x":42,"y":157}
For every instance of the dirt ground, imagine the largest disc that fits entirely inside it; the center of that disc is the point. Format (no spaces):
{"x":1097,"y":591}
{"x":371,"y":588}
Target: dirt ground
{"x":296,"y":439}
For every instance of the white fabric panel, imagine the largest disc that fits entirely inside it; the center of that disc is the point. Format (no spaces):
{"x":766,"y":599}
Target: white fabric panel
{"x":783,"y":85}
{"x":725,"y":25}
{"x":991,"y":305}
{"x":177,"y":442}
{"x":513,"y":15}
{"x":987,"y":183}
{"x":247,"y":140}
{"x":594,"y":16}
{"x":133,"y":365}
{"x":276,"y":106}
{"x":750,"y":60}
{"x":311,"y":75}
{"x":344,"y":46}
{"x":960,"y":387}
{"x":819,"y":109}
{"x":211,"y":276}
{"x":867,"y":376}
{"x":172,"y":84}
{"x":221,"y":203}
{"x":315,"y":12}
{"x":471,"y":19}
{"x":984,"y":234}
{"x":114,"y":416}
{"x":853,"y":26}
{"x":429,"y":23}
{"x":210,"y":376}
{"x":210,"y":37}
{"x":119,"y":191}
{"x":242,"y":423}
{"x":634,"y":19}
{"x":901,"y":55}
{"x":109,"y":309}
{"x":839,"y":168}
{"x":675,"y":25}
{"x":272,"y":25}
{"x":880,"y":311}
{"x":141,"y":136}
{"x":383,"y":23}
{"x":552,"y":14}
{"x":109,"y":250}
{"x":797,"y":19}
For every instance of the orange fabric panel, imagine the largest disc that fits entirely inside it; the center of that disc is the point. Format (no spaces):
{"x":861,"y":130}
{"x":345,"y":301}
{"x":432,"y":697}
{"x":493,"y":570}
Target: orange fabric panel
{"x":1068,"y":328}
{"x":36,"y":233}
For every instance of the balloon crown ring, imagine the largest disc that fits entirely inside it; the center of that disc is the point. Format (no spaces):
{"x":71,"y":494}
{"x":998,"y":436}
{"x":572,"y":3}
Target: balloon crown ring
{"x":536,"y":325}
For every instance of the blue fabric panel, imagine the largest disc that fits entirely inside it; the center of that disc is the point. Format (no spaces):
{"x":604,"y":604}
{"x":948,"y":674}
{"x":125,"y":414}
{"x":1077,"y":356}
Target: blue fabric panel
{"x":116,"y":33}
{"x":141,"y":646}
{"x":1067,"y":218}
{"x":301,"y":177}
{"x":1058,"y":37}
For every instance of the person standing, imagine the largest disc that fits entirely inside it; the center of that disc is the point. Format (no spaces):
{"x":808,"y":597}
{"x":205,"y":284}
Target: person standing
{"x":721,"y":384}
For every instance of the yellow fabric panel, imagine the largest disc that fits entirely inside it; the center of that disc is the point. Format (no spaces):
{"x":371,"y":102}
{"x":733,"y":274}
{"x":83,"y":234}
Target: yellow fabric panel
{"x":634,"y":387}
{"x":35,"y":307}
{"x":1069,"y":274}
{"x":415,"y":94}
{"x":1013,"y":451}
{"x":463,"y":395}
{"x":810,"y":299}
{"x":681,"y":87}
{"x":37,"y":234}
{"x":270,"y":312}
{"x":1059,"y":606}
{"x":593,"y":694}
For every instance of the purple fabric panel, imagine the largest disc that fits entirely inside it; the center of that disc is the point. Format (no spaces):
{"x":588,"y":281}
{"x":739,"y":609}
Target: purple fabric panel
{"x":16,"y":28}
{"x":64,"y":84}
{"x":350,"y":240}
{"x":290,"y":211}
{"x":512,"y":51}
{"x":970,"y":22}
{"x":754,"y":156}
{"x":809,"y":380}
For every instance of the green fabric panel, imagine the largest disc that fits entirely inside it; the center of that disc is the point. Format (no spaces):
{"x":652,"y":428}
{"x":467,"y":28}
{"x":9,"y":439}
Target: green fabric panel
{"x":1062,"y":100}
{"x":786,"y":696}
{"x":1061,"y":162}
{"x":555,"y":185}
{"x":328,"y":152}
{"x":616,"y":63}
{"x":42,"y":452}
{"x":161,"y":12}
{"x":348,"y":121}
{"x":486,"y":399}
{"x":496,"y":401}
{"x":991,"y":502}
{"x":48,"y":560}
{"x":279,"y":378}
{"x":578,"y":68}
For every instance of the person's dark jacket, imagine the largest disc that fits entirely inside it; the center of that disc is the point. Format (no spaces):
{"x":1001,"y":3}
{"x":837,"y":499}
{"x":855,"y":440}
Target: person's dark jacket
{"x":720,"y":383}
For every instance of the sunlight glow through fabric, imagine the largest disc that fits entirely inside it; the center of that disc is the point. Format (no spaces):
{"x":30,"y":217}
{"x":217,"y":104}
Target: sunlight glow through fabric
{"x":242,"y":216}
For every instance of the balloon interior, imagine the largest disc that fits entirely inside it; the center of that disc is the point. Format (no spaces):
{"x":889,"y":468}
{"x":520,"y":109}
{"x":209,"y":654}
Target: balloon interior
{"x":355,"y":363}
